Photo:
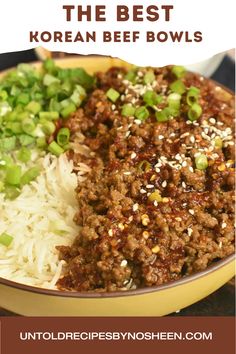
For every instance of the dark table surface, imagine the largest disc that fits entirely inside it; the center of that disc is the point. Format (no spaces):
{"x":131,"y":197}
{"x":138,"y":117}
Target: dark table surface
{"x":221,"y":302}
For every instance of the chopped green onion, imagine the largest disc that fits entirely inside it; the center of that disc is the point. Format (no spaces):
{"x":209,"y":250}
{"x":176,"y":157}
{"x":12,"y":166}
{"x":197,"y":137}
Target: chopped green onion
{"x":78,"y":95}
{"x":33,"y":107}
{"x":30,"y":175}
{"x":49,"y":115}
{"x":11,"y":192}
{"x":28,"y":125}
{"x":13,"y":175}
{"x":2,"y":185}
{"x":178,"y":71}
{"x":70,"y":108}
{"x":144,"y":166}
{"x":173,"y":100}
{"x":7,"y":144}
{"x":48,"y":127}
{"x":149,"y":77}
{"x":151,"y":98}
{"x":49,"y":65}
{"x":192,"y":95}
{"x":201,"y":162}
{"x":194,"y":112}
{"x":24,"y":154}
{"x":141,"y":113}
{"x":25,"y":139}
{"x":41,"y":142}
{"x":55,"y":149}
{"x":178,"y":87}
{"x":63,"y":136}
{"x":14,"y":128}
{"x":3,"y":95}
{"x":165,"y":114}
{"x":113,"y":95}
{"x":23,"y":98}
{"x":50,"y":79}
{"x":155,"y":196}
{"x":128,"y":110}
{"x":131,"y":76}
{"x":5,"y":239}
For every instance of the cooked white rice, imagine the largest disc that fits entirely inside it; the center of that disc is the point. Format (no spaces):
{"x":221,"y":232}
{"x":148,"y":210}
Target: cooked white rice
{"x":40,"y":219}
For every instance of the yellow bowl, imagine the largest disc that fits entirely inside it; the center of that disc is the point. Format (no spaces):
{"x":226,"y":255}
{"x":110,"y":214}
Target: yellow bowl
{"x":155,"y":301}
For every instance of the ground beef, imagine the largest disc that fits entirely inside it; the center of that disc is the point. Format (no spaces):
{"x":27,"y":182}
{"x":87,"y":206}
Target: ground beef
{"x":148,"y":215}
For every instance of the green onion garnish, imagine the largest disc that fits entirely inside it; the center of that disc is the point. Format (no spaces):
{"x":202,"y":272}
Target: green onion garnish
{"x":127,"y":110}
{"x":165,"y":114}
{"x":192,"y":95}
{"x":144,"y":166}
{"x":69,"y":109}
{"x":11,"y":192}
{"x":131,"y":76}
{"x":173,"y":100}
{"x":178,"y":87}
{"x":194,"y":112}
{"x":178,"y":71}
{"x":30,"y":175}
{"x":50,"y":79}
{"x":5,"y":239}
{"x":48,"y":127}
{"x":24,"y":154}
{"x":28,"y":126}
{"x":201,"y":162}
{"x":151,"y":98}
{"x":55,"y":149}
{"x":49,"y":115}
{"x":63,"y":136}
{"x":25,"y":139}
{"x":41,"y":142}
{"x":13,"y":175}
{"x":7,"y":144}
{"x":141,"y":113}
{"x":149,"y":77}
{"x":113,"y":95}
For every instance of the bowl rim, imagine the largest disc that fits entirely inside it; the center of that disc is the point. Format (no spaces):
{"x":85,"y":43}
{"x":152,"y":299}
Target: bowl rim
{"x":116,"y":294}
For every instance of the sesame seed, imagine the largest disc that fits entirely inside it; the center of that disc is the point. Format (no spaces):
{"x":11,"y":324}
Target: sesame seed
{"x":142,"y":191}
{"x":124,"y":263}
{"x":113,"y":107}
{"x":131,"y":218}
{"x":191,"y":211}
{"x":220,"y":123}
{"x":184,"y":184}
{"x":220,"y":244}
{"x":178,"y":157}
{"x":212,"y":120}
{"x":127,"y":173}
{"x":155,"y":203}
{"x":192,"y":139}
{"x":190,"y":231}
{"x":178,"y":218}
{"x":121,"y":226}
{"x":190,"y":169}
{"x":157,"y":170}
{"x":137,"y":121}
{"x":149,"y":186}
{"x":165,"y":200}
{"x":164,"y":184}
{"x":110,"y":232}
{"x":133,"y":155}
{"x":127,"y":134}
{"x":135,"y":207}
{"x":184,"y":164}
{"x":223,"y":226}
{"x":161,"y":137}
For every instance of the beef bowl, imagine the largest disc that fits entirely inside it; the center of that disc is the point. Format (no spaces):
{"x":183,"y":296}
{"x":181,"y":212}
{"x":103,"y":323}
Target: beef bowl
{"x":116,"y":188}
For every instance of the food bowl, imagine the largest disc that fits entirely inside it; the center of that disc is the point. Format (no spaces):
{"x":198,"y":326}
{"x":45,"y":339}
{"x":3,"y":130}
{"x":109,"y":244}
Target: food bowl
{"x":153,"y":301}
